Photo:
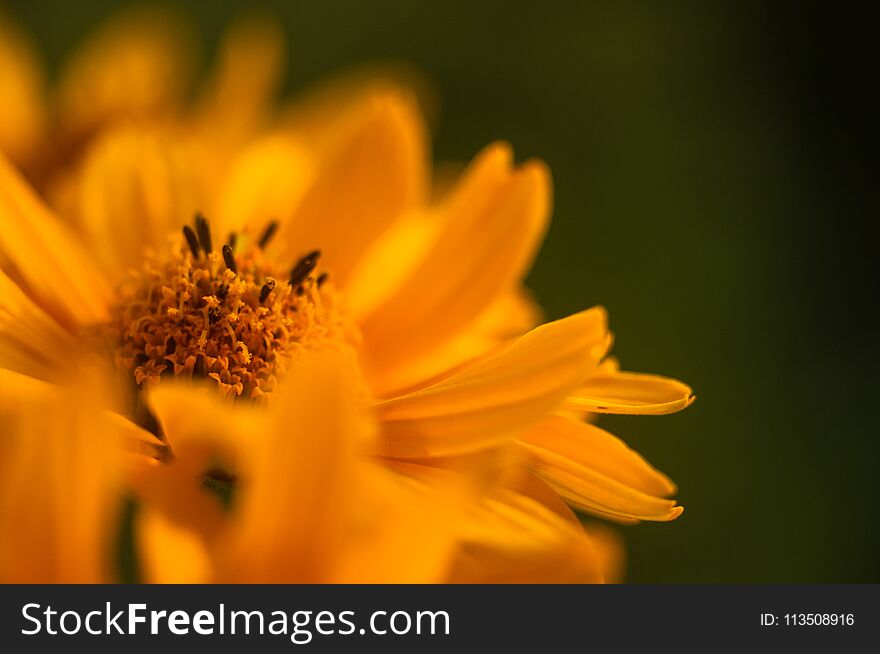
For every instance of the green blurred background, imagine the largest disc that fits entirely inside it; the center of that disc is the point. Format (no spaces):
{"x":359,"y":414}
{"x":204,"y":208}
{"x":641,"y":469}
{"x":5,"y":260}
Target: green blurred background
{"x":713,"y":189}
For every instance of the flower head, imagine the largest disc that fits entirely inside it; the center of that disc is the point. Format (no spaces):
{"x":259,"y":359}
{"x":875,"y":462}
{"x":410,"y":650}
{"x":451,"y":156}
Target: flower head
{"x":325,"y":367}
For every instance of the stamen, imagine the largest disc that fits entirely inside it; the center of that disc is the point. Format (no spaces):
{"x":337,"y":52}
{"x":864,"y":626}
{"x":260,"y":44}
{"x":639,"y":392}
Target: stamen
{"x":204,"y":232}
{"x":321,"y":279}
{"x":267,"y":288}
{"x":229,"y":259}
{"x":304,"y":268}
{"x":191,"y":240}
{"x":200,"y":368}
{"x":269,"y":232}
{"x":239,"y":327}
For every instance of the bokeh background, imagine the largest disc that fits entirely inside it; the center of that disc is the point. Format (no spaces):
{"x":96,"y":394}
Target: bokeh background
{"x":714,"y":188}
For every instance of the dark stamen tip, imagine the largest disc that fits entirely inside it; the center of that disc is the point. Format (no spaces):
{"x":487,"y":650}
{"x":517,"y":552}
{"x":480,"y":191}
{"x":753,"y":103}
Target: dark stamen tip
{"x":200,"y":368}
{"x":191,"y":240}
{"x":322,"y":278}
{"x":203,"y":229}
{"x":304,"y":268}
{"x":267,"y":288}
{"x":268,"y":233}
{"x":222,"y":292}
{"x":229,"y":259}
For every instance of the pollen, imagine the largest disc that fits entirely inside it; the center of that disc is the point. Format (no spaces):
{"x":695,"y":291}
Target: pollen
{"x":231,"y":316}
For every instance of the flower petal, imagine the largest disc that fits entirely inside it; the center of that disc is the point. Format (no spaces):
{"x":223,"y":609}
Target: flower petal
{"x":513,"y":538}
{"x":610,"y":550}
{"x":298,"y":480}
{"x":170,"y":554}
{"x":235,"y":101}
{"x":31,"y":342}
{"x":405,"y":531}
{"x":204,"y":434}
{"x":373,"y":172}
{"x":136,"y":186}
{"x":60,"y":483}
{"x":509,"y":316}
{"x":631,"y":393}
{"x":594,"y":471}
{"x":44,"y":259}
{"x":497,"y":396}
{"x":137,"y":64}
{"x":586,"y":445}
{"x":265,"y":183}
{"x":492,"y":224}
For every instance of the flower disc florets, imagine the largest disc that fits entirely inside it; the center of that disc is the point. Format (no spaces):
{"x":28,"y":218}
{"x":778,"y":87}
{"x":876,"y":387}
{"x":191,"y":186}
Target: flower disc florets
{"x":230,"y":316}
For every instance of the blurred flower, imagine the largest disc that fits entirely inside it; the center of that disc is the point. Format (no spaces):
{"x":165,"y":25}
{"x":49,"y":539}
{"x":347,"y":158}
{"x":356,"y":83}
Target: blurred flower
{"x":371,"y":371}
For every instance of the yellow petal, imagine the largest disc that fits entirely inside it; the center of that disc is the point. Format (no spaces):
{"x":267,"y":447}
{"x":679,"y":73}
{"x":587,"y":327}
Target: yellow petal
{"x":513,"y":538}
{"x":311,"y":112}
{"x":373,"y":172}
{"x":169,"y":553}
{"x":510,"y":315}
{"x":586,"y":445}
{"x":595,"y":472}
{"x":492,"y":224}
{"x":31,"y":342}
{"x":60,"y":486}
{"x":610,"y":550}
{"x":235,"y":101}
{"x":265,"y":183}
{"x":136,"y":186}
{"x":136,"y":65}
{"x":44,"y":259}
{"x":390,"y":260}
{"x":21,"y":87}
{"x":203,"y":434}
{"x":402,"y":531}
{"x":298,"y":481}
{"x":631,"y":393}
{"x":490,"y":400}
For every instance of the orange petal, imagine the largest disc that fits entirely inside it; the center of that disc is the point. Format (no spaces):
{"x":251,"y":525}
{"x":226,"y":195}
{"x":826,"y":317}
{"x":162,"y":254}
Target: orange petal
{"x":298,"y":480}
{"x":60,"y":483}
{"x":169,"y":553}
{"x":631,"y":393}
{"x":203,"y":433}
{"x":509,"y":316}
{"x":31,"y":342}
{"x":586,"y":445}
{"x":492,"y":225}
{"x":44,"y":259}
{"x":610,"y":550}
{"x":490,"y":400}
{"x":401,"y":530}
{"x":136,"y":186}
{"x":265,"y":183}
{"x":136,"y":65}
{"x":373,"y":172}
{"x":594,"y":471}
{"x":235,"y":101}
{"x":513,"y":538}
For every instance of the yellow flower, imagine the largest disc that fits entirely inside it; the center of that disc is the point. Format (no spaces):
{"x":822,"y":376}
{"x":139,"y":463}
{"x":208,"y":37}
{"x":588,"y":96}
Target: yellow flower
{"x":375,"y":394}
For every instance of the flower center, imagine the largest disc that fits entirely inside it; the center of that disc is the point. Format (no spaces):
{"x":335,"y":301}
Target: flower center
{"x":230,"y":316}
